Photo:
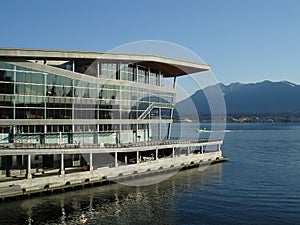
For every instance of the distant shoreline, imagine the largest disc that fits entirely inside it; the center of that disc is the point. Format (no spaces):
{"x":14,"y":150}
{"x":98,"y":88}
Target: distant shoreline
{"x":245,"y":118}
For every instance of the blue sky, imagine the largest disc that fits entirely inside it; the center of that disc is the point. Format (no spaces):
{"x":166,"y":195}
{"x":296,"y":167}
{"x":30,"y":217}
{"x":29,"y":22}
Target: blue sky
{"x":243,"y":40}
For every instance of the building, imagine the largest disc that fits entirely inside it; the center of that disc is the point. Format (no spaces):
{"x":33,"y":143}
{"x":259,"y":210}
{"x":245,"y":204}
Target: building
{"x":67,"y":109}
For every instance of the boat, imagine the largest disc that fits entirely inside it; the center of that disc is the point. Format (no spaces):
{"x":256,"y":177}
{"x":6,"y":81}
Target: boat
{"x":202,"y":130}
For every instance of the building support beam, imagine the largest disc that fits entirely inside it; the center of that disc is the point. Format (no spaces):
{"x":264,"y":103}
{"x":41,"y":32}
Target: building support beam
{"x":91,"y":162}
{"x":189,"y":150}
{"x":173,"y":152}
{"x":156,"y":154}
{"x":116,"y":159}
{"x":159,"y":124}
{"x":29,"y":176}
{"x":126,"y":159}
{"x":137,"y":157}
{"x":62,"y":164}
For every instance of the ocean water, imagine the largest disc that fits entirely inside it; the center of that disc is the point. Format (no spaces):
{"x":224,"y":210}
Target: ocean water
{"x":259,"y":185}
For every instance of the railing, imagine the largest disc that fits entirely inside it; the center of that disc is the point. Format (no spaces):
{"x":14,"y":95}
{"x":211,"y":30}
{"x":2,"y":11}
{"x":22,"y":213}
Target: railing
{"x":106,"y":145}
{"x":153,"y":105}
{"x":146,"y":112}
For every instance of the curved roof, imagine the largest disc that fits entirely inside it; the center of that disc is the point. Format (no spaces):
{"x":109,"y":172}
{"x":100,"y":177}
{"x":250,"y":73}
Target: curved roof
{"x":170,"y":67}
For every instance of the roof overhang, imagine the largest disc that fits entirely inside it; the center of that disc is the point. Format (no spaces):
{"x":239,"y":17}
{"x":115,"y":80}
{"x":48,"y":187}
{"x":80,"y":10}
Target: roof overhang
{"x":169,"y":66}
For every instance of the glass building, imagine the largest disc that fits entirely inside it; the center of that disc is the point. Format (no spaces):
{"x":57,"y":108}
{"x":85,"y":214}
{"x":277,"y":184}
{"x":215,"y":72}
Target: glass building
{"x":62,"y":109}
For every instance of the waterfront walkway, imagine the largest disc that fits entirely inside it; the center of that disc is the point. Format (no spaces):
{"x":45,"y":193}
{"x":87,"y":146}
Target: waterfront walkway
{"x":34,"y":149}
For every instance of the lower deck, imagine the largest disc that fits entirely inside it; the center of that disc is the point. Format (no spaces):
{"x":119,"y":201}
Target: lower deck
{"x":121,"y":163}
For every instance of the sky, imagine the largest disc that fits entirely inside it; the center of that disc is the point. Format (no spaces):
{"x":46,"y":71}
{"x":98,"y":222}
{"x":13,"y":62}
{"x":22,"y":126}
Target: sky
{"x":243,"y":40}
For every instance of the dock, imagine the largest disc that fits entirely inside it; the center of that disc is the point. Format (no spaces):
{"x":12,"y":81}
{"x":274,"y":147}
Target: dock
{"x":43,"y":185}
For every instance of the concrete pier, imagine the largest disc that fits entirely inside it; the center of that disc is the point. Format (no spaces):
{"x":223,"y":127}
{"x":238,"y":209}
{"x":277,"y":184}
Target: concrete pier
{"x":45,"y":184}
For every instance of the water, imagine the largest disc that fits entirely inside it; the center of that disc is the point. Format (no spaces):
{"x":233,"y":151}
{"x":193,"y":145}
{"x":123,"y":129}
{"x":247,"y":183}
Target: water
{"x":260,"y":185}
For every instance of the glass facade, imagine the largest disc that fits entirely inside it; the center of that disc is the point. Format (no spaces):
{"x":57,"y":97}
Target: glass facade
{"x":111,"y":112}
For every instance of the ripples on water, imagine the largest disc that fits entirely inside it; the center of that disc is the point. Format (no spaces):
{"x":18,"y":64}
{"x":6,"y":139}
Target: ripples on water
{"x":260,"y":185}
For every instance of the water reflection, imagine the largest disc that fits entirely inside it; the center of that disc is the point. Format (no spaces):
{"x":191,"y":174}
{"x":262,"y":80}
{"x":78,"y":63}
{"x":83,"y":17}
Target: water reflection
{"x":114,"y":204}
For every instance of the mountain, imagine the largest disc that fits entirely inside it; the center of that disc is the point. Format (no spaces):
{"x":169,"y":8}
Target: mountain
{"x":264,"y":98}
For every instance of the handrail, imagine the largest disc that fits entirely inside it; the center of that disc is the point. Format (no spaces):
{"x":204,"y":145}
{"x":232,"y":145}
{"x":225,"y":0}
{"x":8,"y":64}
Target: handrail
{"x":151,"y":106}
{"x":105,"y":145}
{"x":146,"y":112}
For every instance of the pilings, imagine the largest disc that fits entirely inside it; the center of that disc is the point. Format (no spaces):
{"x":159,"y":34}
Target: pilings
{"x":164,"y":154}
{"x":34,"y":187}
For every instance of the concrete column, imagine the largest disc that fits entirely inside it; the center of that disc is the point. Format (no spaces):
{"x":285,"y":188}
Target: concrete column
{"x":91,"y":162}
{"x":126,"y":160}
{"x":137,"y":157}
{"x":116,"y":159}
{"x":189,"y":150}
{"x":159,"y":124}
{"x":22,"y":160}
{"x":159,"y":131}
{"x":148,"y":131}
{"x":29,"y":167}
{"x":62,"y":164}
{"x":201,"y":148}
{"x":156,"y":154}
{"x":173,"y":152}
{"x":136,"y":133}
{"x":45,"y":133}
{"x":120,"y":130}
{"x":219,"y":147}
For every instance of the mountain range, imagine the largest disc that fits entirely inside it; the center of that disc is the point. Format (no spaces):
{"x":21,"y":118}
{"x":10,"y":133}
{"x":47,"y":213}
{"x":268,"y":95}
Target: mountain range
{"x":265,"y":97}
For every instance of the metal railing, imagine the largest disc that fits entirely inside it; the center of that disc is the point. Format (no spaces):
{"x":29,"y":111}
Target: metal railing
{"x":102,"y":145}
{"x":152,"y":106}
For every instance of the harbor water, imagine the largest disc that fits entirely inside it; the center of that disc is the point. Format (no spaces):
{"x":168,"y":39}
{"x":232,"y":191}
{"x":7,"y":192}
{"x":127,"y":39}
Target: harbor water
{"x":259,"y":185}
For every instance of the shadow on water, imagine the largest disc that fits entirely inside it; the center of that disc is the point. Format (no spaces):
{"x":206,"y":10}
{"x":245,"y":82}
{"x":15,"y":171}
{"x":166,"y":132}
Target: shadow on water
{"x":114,"y":204}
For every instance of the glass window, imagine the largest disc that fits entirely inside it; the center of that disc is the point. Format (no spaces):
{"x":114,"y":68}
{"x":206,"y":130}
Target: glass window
{"x":53,"y":87}
{"x":20,"y":89}
{"x":8,"y":66}
{"x":28,"y":77}
{"x":6,"y":85}
{"x":124,"y":72}
{"x":132,"y":73}
{"x":69,"y":66}
{"x":20,"y":113}
{"x":20,"y":76}
{"x":6,"y":76}
{"x":2,"y":65}
{"x":38,"y":78}
{"x":7,"y":112}
{"x":109,"y":70}
{"x":142,"y":72}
